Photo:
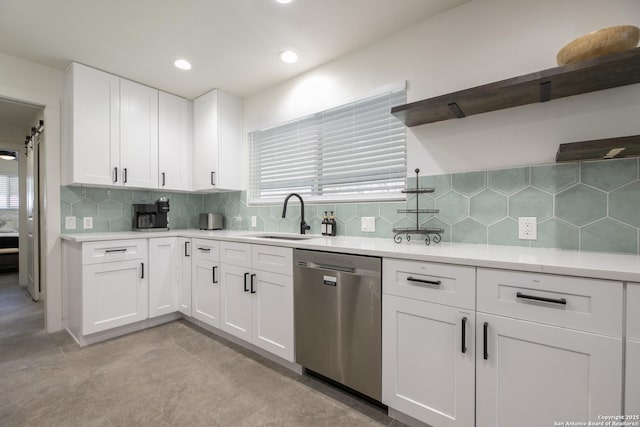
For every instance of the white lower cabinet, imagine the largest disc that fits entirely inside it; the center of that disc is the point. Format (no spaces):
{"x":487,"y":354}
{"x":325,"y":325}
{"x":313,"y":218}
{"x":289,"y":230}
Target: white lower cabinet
{"x":163,"y":276}
{"x":632,"y":367}
{"x":184,"y":276}
{"x":531,"y":374}
{"x":257,"y":295}
{"x":542,"y":356}
{"x":205,"y":284}
{"x":106,"y":285}
{"x":429,"y":361}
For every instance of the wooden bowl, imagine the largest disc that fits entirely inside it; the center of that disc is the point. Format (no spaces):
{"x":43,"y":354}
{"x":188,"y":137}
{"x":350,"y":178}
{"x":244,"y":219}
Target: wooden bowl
{"x":599,"y":43}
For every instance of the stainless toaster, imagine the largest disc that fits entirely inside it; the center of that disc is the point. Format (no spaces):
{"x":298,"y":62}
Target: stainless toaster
{"x":211,"y":221}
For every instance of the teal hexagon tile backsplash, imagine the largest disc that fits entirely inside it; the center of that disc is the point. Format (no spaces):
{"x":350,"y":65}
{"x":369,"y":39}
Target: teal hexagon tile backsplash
{"x":531,"y":202}
{"x":609,"y":236}
{"x":554,"y":178}
{"x":453,"y":207}
{"x":468,"y":183}
{"x":505,"y":232}
{"x":556,"y":233}
{"x":607,"y":175}
{"x":581,"y":205}
{"x":488,"y":206}
{"x":508,"y":181}
{"x":469,"y":231}
{"x":624,"y":204}
{"x":587,"y":206}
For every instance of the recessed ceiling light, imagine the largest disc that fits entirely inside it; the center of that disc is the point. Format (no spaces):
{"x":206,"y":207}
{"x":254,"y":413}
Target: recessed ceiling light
{"x":288,"y":56}
{"x":284,"y":1}
{"x":183,"y":64}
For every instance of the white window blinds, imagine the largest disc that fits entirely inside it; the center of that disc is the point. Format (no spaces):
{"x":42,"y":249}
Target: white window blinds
{"x":9,"y":198}
{"x":353,"y":152}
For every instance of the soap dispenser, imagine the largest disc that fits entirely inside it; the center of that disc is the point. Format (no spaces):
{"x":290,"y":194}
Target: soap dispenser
{"x":332,"y":228}
{"x":325,"y":224}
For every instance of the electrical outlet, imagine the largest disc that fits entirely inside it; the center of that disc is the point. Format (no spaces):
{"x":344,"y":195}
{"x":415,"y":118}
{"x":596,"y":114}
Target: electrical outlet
{"x":87,"y":222}
{"x":254,"y":221}
{"x":368,"y":224}
{"x":70,"y":222}
{"x":527,"y":228}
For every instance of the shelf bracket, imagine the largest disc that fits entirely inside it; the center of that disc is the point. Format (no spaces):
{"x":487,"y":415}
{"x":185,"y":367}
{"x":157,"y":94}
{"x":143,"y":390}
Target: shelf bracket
{"x":545,"y":91}
{"x":456,"y":110}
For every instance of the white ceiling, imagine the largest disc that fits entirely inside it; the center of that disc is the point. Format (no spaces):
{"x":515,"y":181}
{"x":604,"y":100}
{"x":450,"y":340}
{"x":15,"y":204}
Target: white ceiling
{"x":232,"y":44}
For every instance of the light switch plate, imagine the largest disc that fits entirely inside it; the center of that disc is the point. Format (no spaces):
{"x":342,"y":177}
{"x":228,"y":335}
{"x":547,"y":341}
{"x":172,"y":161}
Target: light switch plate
{"x":254,"y":221}
{"x":87,"y":222}
{"x":368,"y":224}
{"x":70,"y":222}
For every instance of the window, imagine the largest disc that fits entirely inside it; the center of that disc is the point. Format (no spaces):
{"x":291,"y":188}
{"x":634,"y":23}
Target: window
{"x":9,"y":198}
{"x":353,"y":152}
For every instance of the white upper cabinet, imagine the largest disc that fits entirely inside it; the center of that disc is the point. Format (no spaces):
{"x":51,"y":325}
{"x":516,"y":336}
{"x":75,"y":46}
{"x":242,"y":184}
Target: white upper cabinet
{"x":138,"y":135}
{"x":217,"y":141}
{"x":111,"y":130}
{"x":175,"y":142}
{"x":91,"y":140}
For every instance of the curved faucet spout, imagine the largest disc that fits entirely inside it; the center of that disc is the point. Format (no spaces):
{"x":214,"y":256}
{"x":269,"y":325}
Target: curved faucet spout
{"x":303,"y":225}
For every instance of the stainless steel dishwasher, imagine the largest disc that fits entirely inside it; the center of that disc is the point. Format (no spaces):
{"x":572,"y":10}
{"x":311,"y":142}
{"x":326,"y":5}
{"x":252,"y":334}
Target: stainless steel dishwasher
{"x":338,"y":318}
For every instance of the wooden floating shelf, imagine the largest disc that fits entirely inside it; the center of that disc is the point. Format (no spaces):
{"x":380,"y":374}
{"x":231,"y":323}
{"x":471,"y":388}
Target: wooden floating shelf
{"x":610,"y":148}
{"x":607,"y":72}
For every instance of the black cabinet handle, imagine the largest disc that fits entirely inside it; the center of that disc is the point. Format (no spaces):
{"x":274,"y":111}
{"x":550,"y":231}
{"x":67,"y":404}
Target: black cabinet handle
{"x":115,"y":174}
{"x":245,"y":282}
{"x":485,"y":332}
{"x":562,"y":301}
{"x":213,"y":178}
{"x":163,"y":179}
{"x":142,"y":268}
{"x":428,"y":282}
{"x":213,"y":271}
{"x":113,"y":251}
{"x":207,"y":250}
{"x":186,"y":247}
{"x":464,"y":334}
{"x":253,"y":291}
{"x":124,"y":175}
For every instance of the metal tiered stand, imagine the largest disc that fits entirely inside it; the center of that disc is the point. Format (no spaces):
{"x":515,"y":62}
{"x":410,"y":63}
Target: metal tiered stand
{"x":432,"y":234}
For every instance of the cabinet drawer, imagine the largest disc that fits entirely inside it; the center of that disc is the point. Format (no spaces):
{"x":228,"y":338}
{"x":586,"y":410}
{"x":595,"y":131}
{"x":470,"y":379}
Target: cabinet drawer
{"x":113,"y":250}
{"x":440,"y":283}
{"x":577,"y":303}
{"x":235,"y":254}
{"x":274,"y":259}
{"x":633,"y":314}
{"x":208,"y":250}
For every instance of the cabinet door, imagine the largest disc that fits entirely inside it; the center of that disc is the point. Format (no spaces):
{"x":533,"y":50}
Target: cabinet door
{"x":273,"y":313}
{"x":534,"y":374}
{"x":206,"y":117}
{"x":235,"y":300}
{"x":205,"y":290}
{"x":138,"y":135}
{"x":428,"y":364}
{"x":92,"y":125}
{"x":632,"y":379}
{"x":184,"y":276}
{"x":175,"y":142}
{"x":113,"y":294}
{"x":163,"y":276}
{"x":229,"y":172}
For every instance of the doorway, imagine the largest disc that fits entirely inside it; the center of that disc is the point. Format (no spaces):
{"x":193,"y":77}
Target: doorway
{"x":21,"y":297}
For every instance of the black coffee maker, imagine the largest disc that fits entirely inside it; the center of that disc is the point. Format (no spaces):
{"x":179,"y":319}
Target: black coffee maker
{"x":151,"y":216}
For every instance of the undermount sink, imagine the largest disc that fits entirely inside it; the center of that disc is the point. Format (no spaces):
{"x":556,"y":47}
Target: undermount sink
{"x":283,"y":236}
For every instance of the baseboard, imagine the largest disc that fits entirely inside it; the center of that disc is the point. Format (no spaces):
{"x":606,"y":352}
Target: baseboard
{"x":85,"y":340}
{"x":406,"y":419}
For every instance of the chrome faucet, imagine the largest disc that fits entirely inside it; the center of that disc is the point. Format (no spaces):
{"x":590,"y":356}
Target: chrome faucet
{"x":303,"y":225}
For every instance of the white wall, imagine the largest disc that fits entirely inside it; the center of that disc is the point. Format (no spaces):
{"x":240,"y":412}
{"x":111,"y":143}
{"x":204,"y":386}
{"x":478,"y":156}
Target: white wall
{"x":479,"y":42}
{"x":39,"y":85}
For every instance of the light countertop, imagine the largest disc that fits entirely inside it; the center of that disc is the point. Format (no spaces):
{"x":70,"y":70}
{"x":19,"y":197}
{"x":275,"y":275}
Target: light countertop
{"x":601,"y":265}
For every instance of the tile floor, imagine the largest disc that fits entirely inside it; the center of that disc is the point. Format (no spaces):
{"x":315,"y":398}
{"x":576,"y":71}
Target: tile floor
{"x":174,"y":374}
